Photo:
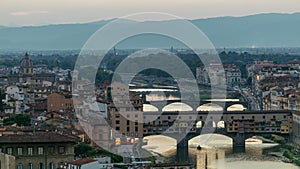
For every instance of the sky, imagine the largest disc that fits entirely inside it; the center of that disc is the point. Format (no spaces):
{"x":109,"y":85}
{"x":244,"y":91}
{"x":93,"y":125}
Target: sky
{"x":44,"y":12}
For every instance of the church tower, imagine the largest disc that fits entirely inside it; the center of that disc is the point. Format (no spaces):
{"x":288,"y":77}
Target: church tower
{"x":26,"y":67}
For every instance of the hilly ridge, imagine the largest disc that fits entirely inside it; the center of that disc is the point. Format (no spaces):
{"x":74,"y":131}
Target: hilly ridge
{"x":262,"y":30}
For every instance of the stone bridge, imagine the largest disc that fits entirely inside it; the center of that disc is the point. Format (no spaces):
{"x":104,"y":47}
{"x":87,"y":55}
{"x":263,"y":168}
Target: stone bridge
{"x":238,"y":125}
{"x":194,"y":105}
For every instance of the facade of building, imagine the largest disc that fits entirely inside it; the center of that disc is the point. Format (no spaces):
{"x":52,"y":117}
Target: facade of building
{"x":296,"y":127}
{"x":57,"y":102}
{"x":39,"y":151}
{"x":234,"y":122}
{"x":214,"y":73}
{"x":7,"y":161}
{"x":90,"y":163}
{"x":233,"y":75}
{"x":126,"y":116}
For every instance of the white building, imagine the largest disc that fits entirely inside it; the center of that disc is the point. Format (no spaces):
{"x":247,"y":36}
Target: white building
{"x":90,"y":163}
{"x":14,"y":98}
{"x":217,"y":74}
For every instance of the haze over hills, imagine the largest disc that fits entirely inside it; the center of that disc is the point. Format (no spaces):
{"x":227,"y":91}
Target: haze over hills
{"x":261,"y":30}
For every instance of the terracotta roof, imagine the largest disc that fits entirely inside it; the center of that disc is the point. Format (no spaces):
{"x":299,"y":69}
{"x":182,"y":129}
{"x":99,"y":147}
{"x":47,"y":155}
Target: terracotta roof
{"x":37,"y":138}
{"x":82,"y":161}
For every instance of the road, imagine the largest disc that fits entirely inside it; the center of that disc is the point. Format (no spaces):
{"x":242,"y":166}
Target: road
{"x":254,"y":103}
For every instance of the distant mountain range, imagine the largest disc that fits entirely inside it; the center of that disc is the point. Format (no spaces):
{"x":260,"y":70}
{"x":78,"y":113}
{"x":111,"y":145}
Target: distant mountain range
{"x":262,"y":30}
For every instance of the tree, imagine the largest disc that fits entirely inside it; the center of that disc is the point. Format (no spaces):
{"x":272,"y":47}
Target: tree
{"x":82,"y":150}
{"x":2,"y":96}
{"x":249,"y":81}
{"x":20,"y":120}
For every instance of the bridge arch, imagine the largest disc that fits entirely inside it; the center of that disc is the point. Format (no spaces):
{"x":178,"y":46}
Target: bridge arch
{"x":160,"y":144}
{"x":210,"y":140}
{"x":210,"y":107}
{"x":236,"y":107}
{"x":221,"y":124}
{"x":200,"y":124}
{"x":177,"y":106}
{"x":211,"y":124}
{"x":149,"y":108}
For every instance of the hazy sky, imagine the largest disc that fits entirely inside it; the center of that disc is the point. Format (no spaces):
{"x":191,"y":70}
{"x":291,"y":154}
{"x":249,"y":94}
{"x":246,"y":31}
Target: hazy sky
{"x":40,"y":12}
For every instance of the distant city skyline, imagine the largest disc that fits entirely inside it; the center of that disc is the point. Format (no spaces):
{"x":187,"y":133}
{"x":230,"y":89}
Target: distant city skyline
{"x":36,"y":12}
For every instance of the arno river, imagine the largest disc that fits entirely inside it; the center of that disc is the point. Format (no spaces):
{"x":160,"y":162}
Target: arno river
{"x":220,"y":146}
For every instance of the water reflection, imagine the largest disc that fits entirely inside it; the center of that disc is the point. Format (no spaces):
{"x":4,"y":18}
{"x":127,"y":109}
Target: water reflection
{"x":205,"y":159}
{"x":216,"y":153}
{"x":222,"y":159}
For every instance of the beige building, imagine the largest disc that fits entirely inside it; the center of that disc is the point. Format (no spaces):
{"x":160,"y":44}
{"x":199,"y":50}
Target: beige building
{"x":7,"y":161}
{"x":39,"y":151}
{"x":57,"y":102}
{"x":126,"y":116}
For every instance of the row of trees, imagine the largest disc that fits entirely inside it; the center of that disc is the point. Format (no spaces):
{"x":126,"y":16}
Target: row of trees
{"x":84,"y":150}
{"x":19,"y":120}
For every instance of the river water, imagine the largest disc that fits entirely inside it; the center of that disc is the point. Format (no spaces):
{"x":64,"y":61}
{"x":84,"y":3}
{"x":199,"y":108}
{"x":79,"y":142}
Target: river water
{"x":220,"y":146}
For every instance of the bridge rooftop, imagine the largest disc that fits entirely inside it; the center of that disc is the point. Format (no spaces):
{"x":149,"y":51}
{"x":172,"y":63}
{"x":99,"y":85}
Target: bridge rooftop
{"x":234,"y":112}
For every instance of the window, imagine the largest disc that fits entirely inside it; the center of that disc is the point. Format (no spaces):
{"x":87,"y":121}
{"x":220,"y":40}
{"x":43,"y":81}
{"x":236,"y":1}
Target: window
{"x":41,"y":166}
{"x":136,"y":129}
{"x":61,"y":164}
{"x":30,"y":166}
{"x":20,"y":166}
{"x":128,"y":128}
{"x":61,"y":149}
{"x":117,"y":115}
{"x":20,"y":151}
{"x":51,"y":165}
{"x":51,"y":149}
{"x":117,"y":128}
{"x":117,"y":121}
{"x":40,"y":150}
{"x":9,"y":150}
{"x":1,"y":150}
{"x":128,"y":122}
{"x":29,"y":150}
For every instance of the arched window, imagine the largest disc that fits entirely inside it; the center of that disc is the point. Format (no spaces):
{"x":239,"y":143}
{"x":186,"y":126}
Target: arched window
{"x":20,"y":166}
{"x":41,"y":166}
{"x":51,"y":165}
{"x":30,"y":166}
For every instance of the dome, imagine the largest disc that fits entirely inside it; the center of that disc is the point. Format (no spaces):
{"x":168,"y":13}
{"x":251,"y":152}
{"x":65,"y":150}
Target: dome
{"x":26,"y":63}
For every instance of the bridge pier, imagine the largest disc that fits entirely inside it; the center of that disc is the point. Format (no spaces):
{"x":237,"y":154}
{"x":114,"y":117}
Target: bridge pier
{"x":238,"y":143}
{"x":182,"y":152}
